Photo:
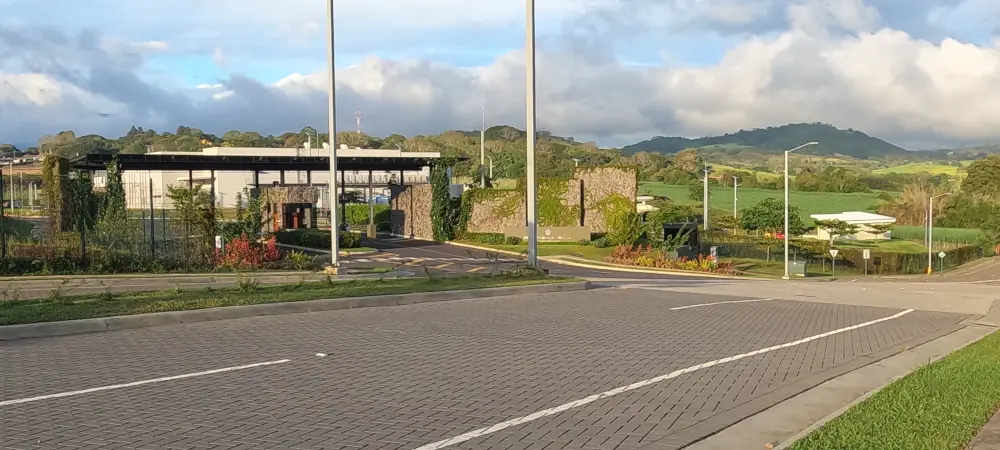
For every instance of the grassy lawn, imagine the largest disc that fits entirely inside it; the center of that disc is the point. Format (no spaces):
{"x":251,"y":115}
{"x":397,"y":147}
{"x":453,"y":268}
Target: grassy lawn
{"x":107,"y":304}
{"x":940,"y":406}
{"x":809,"y":202}
{"x":894,"y":245}
{"x":952,"y":235}
{"x":925,"y":167}
{"x":583,"y":251}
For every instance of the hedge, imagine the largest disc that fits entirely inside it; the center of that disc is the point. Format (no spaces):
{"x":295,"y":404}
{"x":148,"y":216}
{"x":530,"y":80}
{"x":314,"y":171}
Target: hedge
{"x":313,"y":238}
{"x":357,"y":215}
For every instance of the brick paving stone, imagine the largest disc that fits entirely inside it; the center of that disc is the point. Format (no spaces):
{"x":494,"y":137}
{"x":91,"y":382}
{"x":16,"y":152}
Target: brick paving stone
{"x":401,"y":377}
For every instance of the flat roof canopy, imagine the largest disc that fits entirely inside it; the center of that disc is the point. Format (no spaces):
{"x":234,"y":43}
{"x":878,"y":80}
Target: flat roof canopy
{"x":241,"y":163}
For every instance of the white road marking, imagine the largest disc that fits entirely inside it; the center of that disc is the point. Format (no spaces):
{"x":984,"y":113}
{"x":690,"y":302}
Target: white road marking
{"x":593,"y":398}
{"x":721,"y":303}
{"x":139,"y":383}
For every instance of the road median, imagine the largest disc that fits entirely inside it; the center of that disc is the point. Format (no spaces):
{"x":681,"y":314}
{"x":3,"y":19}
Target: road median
{"x":61,"y":316}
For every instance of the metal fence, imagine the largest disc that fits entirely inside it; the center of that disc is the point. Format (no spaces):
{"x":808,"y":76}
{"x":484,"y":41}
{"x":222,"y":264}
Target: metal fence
{"x":849,"y":259}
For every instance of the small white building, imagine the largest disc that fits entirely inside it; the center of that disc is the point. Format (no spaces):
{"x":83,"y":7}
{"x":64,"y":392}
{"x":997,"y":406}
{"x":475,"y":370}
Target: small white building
{"x":862,"y":219}
{"x":642,"y":205}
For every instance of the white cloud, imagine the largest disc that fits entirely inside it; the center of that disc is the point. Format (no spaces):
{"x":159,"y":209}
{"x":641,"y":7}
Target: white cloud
{"x":835,"y":62}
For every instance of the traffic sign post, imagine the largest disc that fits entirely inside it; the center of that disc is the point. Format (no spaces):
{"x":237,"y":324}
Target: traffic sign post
{"x":833,"y":261}
{"x":941,"y":261}
{"x":866,"y":254}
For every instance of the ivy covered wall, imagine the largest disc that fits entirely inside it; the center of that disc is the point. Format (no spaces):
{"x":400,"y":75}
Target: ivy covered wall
{"x":559,"y":201}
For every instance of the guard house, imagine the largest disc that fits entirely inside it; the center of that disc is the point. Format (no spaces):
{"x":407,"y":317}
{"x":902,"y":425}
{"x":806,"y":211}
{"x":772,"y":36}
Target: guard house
{"x":295,"y":181}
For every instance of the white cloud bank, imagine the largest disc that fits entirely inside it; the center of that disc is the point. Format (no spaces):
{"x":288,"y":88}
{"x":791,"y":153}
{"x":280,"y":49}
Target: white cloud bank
{"x":836,"y":63}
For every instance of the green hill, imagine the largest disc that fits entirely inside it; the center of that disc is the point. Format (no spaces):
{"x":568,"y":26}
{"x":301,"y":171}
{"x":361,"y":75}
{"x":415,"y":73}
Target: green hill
{"x":774,"y":140}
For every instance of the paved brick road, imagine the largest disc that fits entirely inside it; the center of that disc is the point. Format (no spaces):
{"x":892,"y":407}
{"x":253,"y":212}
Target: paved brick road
{"x":404,"y":377}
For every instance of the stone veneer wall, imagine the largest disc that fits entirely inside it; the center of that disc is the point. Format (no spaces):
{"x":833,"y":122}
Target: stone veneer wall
{"x":494,"y":210}
{"x":601,"y":183}
{"x":410,"y":211}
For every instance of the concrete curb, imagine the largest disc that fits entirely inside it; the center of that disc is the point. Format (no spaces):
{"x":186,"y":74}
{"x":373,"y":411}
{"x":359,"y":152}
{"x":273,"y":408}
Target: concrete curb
{"x":70,"y":327}
{"x":619,"y":268}
{"x":156,"y":275}
{"x":316,"y":250}
{"x":857,"y":401}
{"x":488,"y":249}
{"x":612,"y":267}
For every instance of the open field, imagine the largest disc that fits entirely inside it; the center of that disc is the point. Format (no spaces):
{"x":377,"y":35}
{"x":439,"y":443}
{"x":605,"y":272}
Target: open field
{"x":953,"y":235}
{"x":808,"y":202}
{"x":928,"y":167}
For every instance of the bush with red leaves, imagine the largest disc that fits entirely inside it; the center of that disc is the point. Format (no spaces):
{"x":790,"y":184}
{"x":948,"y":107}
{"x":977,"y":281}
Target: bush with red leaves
{"x":242,"y":253}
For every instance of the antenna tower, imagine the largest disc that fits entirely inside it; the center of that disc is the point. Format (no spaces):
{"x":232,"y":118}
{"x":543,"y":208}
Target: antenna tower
{"x":357,"y":119}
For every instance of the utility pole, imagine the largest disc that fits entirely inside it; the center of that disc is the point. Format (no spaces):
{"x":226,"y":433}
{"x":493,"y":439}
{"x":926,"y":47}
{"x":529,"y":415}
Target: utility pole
{"x":482,"y":152}
{"x":704,"y":201}
{"x":736,"y":184}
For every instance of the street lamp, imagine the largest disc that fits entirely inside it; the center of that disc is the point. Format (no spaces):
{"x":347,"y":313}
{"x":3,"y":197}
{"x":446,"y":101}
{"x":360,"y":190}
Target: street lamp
{"x":482,"y":152}
{"x":332,"y":95}
{"x":930,"y":230}
{"x":704,"y":195}
{"x":529,"y":44}
{"x":785,"y":277}
{"x":736,"y":184}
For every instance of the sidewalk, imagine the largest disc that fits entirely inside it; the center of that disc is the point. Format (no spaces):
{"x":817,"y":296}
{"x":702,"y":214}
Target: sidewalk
{"x":989,"y":436}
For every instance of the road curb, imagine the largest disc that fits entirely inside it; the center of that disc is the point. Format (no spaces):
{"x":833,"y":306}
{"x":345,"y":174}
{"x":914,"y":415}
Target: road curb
{"x":325,"y":252}
{"x":156,"y":275}
{"x":614,"y":268}
{"x":619,"y":268}
{"x":488,"y":249}
{"x":71,"y":327}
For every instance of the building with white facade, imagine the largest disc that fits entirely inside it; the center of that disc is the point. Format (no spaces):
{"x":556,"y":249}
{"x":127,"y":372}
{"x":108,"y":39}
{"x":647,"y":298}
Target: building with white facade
{"x":143,"y":187}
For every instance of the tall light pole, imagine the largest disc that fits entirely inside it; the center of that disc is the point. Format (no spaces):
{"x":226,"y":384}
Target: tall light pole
{"x":529,"y":43}
{"x":482,"y":152}
{"x":930,"y":231}
{"x":704,"y":195}
{"x":332,"y":94}
{"x":491,"y":166}
{"x":736,"y":184}
{"x":785,"y":277}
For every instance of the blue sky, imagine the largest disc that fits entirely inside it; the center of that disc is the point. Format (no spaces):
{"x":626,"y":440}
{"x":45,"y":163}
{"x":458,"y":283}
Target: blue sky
{"x":611,"y":70}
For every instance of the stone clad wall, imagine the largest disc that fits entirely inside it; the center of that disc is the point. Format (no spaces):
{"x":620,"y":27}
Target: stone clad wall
{"x":601,"y":183}
{"x":496,"y":210}
{"x":410,"y":211}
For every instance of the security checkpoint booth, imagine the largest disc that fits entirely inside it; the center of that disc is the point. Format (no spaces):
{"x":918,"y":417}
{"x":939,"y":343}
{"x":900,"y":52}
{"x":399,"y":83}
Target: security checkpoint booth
{"x":295,"y":181}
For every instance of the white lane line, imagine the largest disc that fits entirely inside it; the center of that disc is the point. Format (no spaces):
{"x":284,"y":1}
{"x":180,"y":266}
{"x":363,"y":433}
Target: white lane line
{"x":721,"y":303}
{"x":593,"y":398}
{"x":139,"y":383}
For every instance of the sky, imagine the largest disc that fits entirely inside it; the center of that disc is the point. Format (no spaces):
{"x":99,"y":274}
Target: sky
{"x":918,"y":73}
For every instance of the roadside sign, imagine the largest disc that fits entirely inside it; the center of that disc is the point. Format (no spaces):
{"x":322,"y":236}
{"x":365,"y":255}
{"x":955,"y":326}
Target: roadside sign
{"x":942,"y":255}
{"x":833,"y":252}
{"x":218,"y":242}
{"x":866,"y":254}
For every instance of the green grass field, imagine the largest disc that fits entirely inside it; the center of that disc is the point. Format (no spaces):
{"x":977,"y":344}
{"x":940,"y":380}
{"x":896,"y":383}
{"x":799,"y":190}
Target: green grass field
{"x":928,"y":167}
{"x":952,"y":235}
{"x":808,"y":202}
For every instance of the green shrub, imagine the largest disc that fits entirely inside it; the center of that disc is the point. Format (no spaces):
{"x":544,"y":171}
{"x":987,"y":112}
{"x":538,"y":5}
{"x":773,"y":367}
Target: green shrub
{"x":601,"y":242}
{"x":313,"y":238}
{"x":512,"y":240}
{"x":357,"y":215}
{"x":486,"y":238}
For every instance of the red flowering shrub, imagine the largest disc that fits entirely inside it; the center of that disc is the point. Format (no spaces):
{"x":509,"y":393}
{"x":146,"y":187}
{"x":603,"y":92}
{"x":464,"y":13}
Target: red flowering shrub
{"x":242,"y":253}
{"x":650,"y":256}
